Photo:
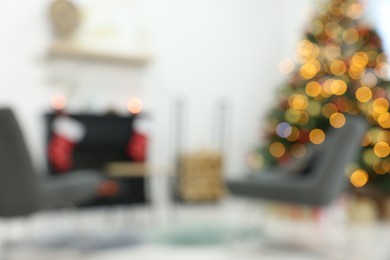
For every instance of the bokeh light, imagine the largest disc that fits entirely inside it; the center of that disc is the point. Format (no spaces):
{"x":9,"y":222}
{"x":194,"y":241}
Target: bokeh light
{"x":277,"y":149}
{"x":58,"y":101}
{"x":298,"y":102}
{"x":382,"y":149}
{"x":367,"y":139}
{"x":338,"y":87}
{"x":329,"y":109}
{"x":298,"y":150}
{"x":317,"y":136}
{"x":363,"y":94}
{"x":378,"y":168}
{"x":284,"y":129}
{"x":313,"y":89}
{"x":369,"y":80}
{"x":351,"y":36}
{"x":308,"y":70}
{"x":135,"y":105}
{"x":354,"y":11}
{"x":332,"y":29}
{"x":337,"y":120}
{"x":359,"y":178}
{"x":380,"y":105}
{"x":294,"y":134}
{"x":338,"y":67}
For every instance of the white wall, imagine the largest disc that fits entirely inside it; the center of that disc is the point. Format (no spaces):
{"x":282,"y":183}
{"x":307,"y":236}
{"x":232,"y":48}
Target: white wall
{"x":204,"y":50}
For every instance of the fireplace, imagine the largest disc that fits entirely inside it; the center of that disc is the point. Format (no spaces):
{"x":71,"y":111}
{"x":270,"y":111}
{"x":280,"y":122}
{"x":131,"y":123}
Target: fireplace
{"x":104,"y":143}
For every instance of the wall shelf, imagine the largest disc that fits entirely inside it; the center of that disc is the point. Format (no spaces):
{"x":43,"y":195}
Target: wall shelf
{"x":68,"y":51}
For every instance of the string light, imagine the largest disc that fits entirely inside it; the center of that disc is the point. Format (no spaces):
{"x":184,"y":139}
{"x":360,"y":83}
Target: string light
{"x":313,"y":89}
{"x":338,"y":67}
{"x":135,"y":105}
{"x":337,"y":120}
{"x":382,"y":149}
{"x":298,"y":150}
{"x":284,"y":129}
{"x":380,"y":105}
{"x":363,"y":94}
{"x":338,"y":87}
{"x":277,"y":149}
{"x":359,"y":178}
{"x":58,"y":101}
{"x":317,"y":136}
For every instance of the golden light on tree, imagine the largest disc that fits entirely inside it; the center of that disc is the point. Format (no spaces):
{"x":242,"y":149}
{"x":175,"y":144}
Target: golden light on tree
{"x":383,"y":136}
{"x":382,"y":149}
{"x":386,"y":165}
{"x":277,"y":149}
{"x":298,"y":150}
{"x":380,"y":105}
{"x":308,"y":70}
{"x":359,"y":178}
{"x":363,"y":94}
{"x":354,"y":11}
{"x":337,"y":120}
{"x":351,"y":36}
{"x":338,"y":87}
{"x":327,"y":86}
{"x":367,"y":139}
{"x":369,"y":80}
{"x":313,"y":89}
{"x":338,"y":67}
{"x":360,"y":59}
{"x":317,"y":136}
{"x":329,"y":109}
{"x":306,"y":51}
{"x":378,"y":168}
{"x":298,"y":102}
{"x":332,"y":29}
{"x":384,"y":120}
{"x":294,"y":134}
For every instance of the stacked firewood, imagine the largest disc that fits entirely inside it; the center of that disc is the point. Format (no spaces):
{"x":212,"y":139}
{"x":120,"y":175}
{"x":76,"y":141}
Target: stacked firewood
{"x":201,"y":177}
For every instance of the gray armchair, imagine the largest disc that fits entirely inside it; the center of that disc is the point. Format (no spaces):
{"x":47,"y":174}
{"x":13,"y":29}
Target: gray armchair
{"x":22,"y":192}
{"x":321,"y":179}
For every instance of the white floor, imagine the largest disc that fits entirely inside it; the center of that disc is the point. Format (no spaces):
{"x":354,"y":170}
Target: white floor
{"x":275,"y":238}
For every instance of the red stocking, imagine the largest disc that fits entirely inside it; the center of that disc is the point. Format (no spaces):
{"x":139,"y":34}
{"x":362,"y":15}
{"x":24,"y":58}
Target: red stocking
{"x":137,"y":147}
{"x":67,"y":132}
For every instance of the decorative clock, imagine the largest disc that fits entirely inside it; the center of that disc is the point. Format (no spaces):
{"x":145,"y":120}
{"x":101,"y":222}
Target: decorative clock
{"x":65,"y":17}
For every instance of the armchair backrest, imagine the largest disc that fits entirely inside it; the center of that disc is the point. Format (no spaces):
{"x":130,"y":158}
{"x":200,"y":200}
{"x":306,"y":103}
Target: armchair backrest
{"x":340,"y":148}
{"x":18,"y":182}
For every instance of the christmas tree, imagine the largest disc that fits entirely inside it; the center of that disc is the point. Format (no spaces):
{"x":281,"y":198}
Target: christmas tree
{"x":339,"y":68}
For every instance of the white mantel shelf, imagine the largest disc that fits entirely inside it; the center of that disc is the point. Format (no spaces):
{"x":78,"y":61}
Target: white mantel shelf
{"x":67,"y":51}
